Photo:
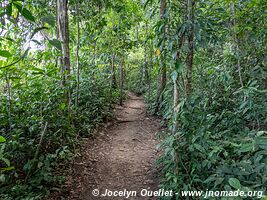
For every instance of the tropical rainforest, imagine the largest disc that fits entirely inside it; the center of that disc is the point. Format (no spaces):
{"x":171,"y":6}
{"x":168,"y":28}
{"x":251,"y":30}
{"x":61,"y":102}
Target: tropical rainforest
{"x":67,"y":67}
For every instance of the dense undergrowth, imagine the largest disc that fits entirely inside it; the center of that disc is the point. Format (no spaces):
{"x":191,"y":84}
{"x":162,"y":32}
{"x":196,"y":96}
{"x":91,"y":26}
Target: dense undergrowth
{"x":56,"y":86}
{"x":37,"y":120}
{"x":221,"y":140}
{"x":217,"y":138}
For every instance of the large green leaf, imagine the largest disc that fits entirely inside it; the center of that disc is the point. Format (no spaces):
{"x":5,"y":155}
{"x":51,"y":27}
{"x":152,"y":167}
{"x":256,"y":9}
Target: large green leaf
{"x":24,"y":12}
{"x":6,"y":161}
{"x":56,"y":43}
{"x":49,"y":19}
{"x":4,"y":53}
{"x":9,"y":9}
{"x":262,"y":142}
{"x":15,"y":62}
{"x":2,"y":139}
{"x":246,"y":147}
{"x":235,"y":183}
{"x":7,"y":169}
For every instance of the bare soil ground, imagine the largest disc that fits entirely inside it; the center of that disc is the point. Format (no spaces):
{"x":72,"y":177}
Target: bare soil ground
{"x":122,"y":157}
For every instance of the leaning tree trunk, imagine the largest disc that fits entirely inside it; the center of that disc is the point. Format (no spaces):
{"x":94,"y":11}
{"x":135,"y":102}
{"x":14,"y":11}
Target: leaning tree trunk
{"x":63,"y":34}
{"x":163,"y":72}
{"x":190,"y":55}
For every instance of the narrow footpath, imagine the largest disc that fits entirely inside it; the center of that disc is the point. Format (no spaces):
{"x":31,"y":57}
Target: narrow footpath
{"x":122,"y":158}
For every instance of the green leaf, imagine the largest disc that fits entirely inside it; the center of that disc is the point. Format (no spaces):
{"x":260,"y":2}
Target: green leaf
{"x":9,"y":9}
{"x":2,"y":139}
{"x":62,"y":106}
{"x":6,"y":161}
{"x":210,"y":179}
{"x":218,"y":181}
{"x":246,"y":147}
{"x":24,"y":12}
{"x":199,"y":147}
{"x":56,"y":43}
{"x":23,"y":56}
{"x":37,"y":70}
{"x":210,"y":71}
{"x":262,"y":142}
{"x":178,"y":66}
{"x":7,"y":169}
{"x":146,"y":3}
{"x":235,"y":183}
{"x":2,"y":178}
{"x":4,"y":53}
{"x":49,"y":19}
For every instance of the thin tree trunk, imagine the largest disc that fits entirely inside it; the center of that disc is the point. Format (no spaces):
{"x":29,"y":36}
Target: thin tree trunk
{"x":237,"y":46}
{"x":121,"y":80}
{"x":94,"y":56}
{"x":176,"y":89}
{"x":137,"y":35}
{"x":190,"y":55}
{"x":9,"y":102}
{"x":63,"y":33}
{"x":77,"y":54}
{"x":112,"y":71}
{"x":150,"y":68}
{"x":145,"y":76}
{"x":146,"y":62}
{"x":163,"y":73}
{"x":112,"y":66}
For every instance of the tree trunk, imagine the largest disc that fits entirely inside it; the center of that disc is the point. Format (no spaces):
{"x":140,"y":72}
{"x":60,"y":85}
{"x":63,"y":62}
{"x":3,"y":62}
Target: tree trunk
{"x":163,"y":72}
{"x":121,"y":79}
{"x":175,"y":87}
{"x":137,"y":35}
{"x":77,"y":53}
{"x":112,"y":71}
{"x":63,"y":34}
{"x":150,"y":66}
{"x":190,"y":55}
{"x":145,"y":75}
{"x":237,"y":46}
{"x":94,"y":56}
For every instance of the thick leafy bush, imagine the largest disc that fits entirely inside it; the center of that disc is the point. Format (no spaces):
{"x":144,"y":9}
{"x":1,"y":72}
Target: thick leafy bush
{"x":39,"y":119}
{"x":221,"y":143}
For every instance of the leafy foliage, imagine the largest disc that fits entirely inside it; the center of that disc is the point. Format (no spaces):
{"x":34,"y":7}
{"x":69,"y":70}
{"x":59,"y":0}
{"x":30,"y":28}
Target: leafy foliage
{"x":212,"y":54}
{"x":42,"y":120}
{"x":217,"y":133}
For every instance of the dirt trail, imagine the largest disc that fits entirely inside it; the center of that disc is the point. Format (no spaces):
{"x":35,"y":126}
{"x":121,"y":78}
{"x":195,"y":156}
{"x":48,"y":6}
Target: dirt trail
{"x":122,"y":157}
